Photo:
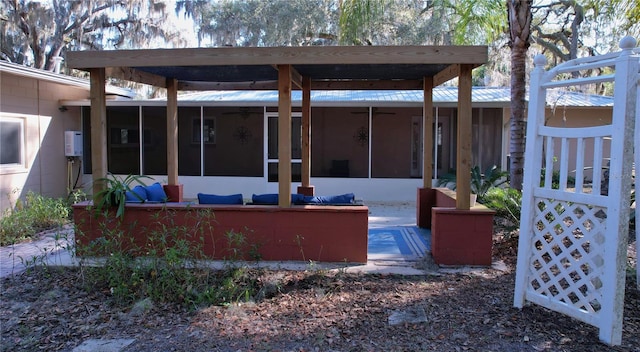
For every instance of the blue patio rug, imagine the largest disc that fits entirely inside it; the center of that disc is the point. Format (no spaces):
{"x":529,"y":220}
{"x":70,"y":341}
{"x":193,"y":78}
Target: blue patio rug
{"x":398,"y":243}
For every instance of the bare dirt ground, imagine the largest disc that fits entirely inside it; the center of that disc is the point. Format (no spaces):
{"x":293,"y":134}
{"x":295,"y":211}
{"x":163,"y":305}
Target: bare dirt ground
{"x":48,"y":309}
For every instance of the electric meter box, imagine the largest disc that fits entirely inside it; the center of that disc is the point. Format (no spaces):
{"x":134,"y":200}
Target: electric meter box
{"x":72,"y":143}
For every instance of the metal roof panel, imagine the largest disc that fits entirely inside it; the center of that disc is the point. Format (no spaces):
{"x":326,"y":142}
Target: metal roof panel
{"x":441,"y":95}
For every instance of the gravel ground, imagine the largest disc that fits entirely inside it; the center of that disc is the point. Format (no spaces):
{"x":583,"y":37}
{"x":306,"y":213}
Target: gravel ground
{"x":314,"y":310}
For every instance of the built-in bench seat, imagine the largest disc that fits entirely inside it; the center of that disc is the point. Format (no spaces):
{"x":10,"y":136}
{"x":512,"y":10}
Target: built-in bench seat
{"x":328,"y":233}
{"x":272,"y":199}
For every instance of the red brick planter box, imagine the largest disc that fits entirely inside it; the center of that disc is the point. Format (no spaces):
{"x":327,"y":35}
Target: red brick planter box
{"x":458,"y":237}
{"x":319,"y":233}
{"x":462,"y":237}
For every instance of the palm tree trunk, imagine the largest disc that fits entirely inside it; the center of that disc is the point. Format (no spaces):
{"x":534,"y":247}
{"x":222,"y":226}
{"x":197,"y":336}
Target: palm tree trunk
{"x":519,"y":14}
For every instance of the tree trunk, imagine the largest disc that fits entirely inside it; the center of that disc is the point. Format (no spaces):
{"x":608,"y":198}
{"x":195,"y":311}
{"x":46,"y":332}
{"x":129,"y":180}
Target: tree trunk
{"x":517,"y":126}
{"x":519,"y":14}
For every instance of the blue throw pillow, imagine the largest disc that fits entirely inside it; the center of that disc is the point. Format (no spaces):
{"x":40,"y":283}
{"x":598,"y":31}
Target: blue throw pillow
{"x":155,"y":193}
{"x":347,"y":198}
{"x":218,"y":199}
{"x":137,"y":195}
{"x":266,"y":199}
{"x":272,"y":198}
{"x":297,"y":198}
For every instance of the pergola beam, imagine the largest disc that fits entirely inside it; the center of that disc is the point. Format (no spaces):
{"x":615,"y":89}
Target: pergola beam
{"x":320,"y":55}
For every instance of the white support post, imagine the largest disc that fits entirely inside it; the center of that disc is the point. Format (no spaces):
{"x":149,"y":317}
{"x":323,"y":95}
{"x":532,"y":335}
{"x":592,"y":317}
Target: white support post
{"x":636,"y":163}
{"x":623,"y":121}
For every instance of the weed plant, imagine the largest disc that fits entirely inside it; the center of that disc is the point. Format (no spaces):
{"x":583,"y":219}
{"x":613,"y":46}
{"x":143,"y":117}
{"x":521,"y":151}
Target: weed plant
{"x":555,"y":179}
{"x":171,"y":264}
{"x":31,"y":216}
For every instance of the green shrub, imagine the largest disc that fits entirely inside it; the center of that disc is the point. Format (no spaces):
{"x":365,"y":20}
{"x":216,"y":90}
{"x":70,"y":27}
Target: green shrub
{"x":507,"y":203}
{"x":31,"y":216}
{"x":115,"y":191}
{"x":481,"y":182}
{"x":15,"y":227}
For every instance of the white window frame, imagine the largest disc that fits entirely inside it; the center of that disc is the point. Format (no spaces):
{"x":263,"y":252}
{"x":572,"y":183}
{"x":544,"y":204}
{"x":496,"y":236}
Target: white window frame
{"x":19,"y":166}
{"x":267,"y":160}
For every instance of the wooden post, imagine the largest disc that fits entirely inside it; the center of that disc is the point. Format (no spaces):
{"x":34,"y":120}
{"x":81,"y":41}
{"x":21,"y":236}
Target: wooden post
{"x":172,"y":131}
{"x":463,"y":167}
{"x":284,"y":136}
{"x":427,"y":128}
{"x":306,"y":132}
{"x":98,"y":129}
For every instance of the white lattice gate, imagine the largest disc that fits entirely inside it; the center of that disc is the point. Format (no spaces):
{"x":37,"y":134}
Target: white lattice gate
{"x":573,"y":239}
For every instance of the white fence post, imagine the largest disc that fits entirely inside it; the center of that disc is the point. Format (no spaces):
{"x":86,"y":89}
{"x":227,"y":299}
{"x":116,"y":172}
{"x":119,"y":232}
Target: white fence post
{"x":636,"y":163}
{"x":624,"y":110}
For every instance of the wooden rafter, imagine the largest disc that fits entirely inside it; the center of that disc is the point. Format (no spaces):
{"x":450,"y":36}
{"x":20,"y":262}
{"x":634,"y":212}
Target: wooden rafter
{"x":449,"y":73}
{"x":133,"y":75}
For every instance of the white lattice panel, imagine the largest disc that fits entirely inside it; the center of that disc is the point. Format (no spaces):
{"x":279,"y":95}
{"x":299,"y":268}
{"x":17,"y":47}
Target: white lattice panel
{"x":568,"y":256}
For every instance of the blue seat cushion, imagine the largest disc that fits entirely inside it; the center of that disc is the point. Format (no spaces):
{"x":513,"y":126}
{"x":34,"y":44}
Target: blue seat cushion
{"x":155,"y":193}
{"x":347,"y":198}
{"x":137,"y":195}
{"x":272,"y":198}
{"x":220,"y":199}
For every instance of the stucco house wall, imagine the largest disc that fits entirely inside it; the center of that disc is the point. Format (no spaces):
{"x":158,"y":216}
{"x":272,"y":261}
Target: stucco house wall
{"x":32,"y":99}
{"x":44,"y":166}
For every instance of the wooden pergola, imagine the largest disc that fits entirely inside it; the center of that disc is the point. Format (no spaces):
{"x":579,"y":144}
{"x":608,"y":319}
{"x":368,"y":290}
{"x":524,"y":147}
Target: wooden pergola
{"x":285,"y":69}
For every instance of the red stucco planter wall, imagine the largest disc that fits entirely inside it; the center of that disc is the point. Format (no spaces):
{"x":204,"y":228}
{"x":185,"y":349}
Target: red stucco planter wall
{"x":319,"y":233}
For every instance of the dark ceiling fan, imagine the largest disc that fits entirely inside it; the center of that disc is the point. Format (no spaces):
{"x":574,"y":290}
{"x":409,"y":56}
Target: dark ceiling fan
{"x":374,"y":111}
